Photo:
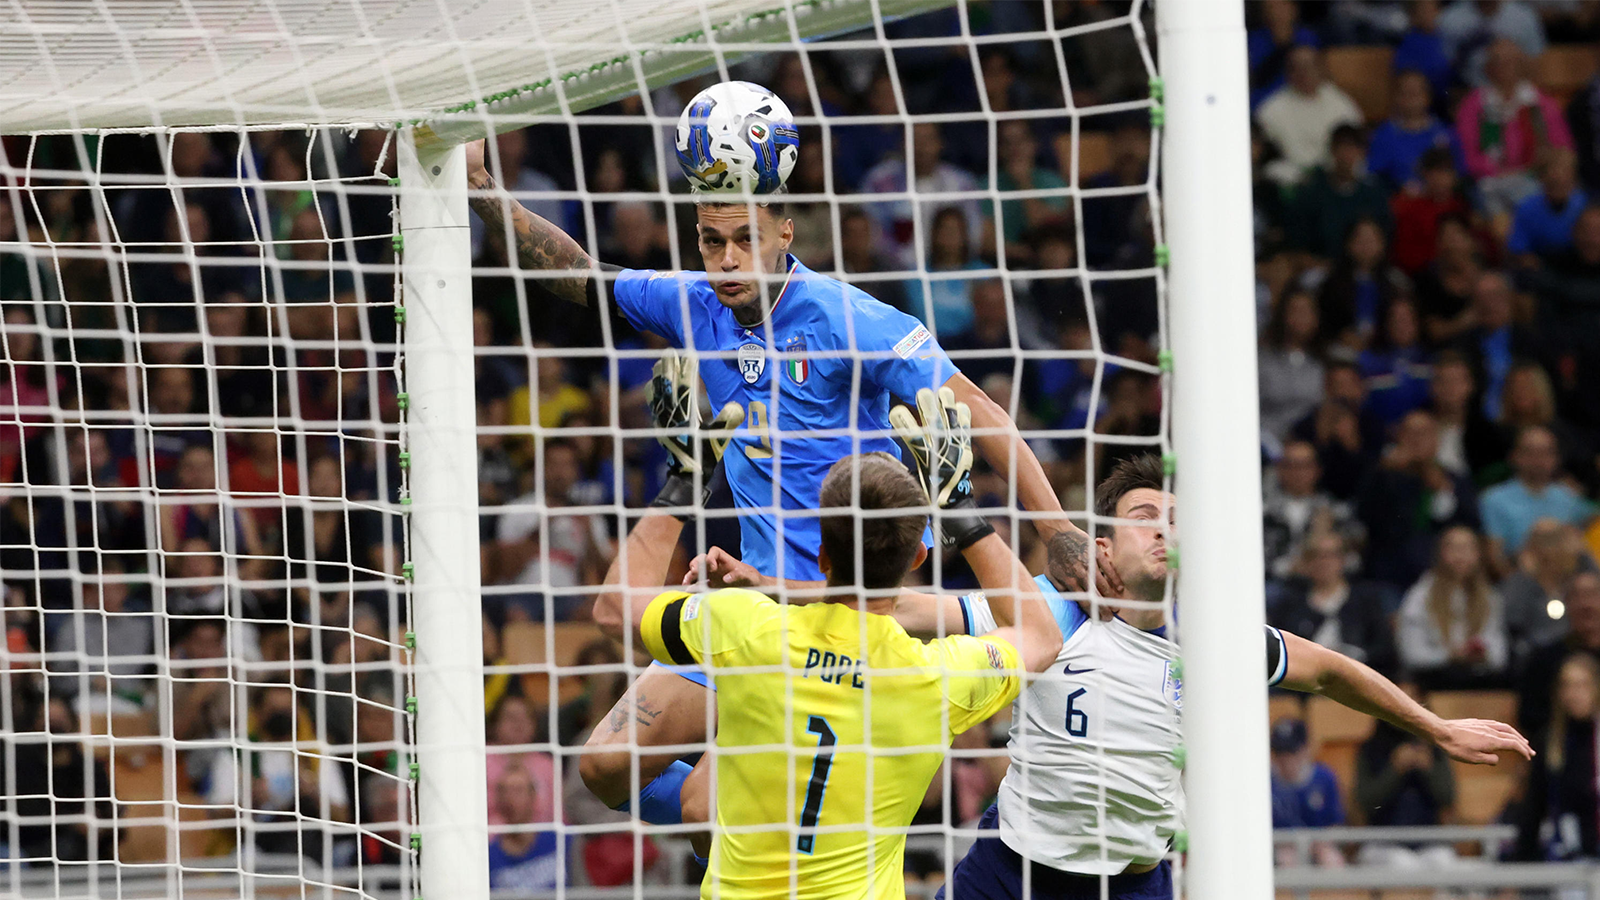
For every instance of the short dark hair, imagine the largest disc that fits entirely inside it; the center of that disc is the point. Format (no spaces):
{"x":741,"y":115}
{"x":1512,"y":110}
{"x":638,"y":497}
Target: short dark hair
{"x":1435,"y":158}
{"x":1347,"y":134}
{"x":888,"y":543}
{"x":1129,"y":474}
{"x":777,"y":201}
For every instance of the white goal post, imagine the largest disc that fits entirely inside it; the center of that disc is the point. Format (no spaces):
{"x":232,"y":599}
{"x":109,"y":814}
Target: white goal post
{"x":440,"y":73}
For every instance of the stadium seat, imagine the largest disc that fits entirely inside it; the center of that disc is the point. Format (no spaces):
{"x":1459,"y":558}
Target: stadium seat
{"x":1366,"y":74}
{"x":1562,"y":71}
{"x":1094,"y":154}
{"x":524,"y":644}
{"x":1482,"y":792}
{"x":1285,"y":705}
{"x":1498,"y":705}
{"x":1329,"y":722}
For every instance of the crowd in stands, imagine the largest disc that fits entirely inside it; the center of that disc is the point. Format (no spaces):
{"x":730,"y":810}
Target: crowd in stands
{"x":1429,"y":307}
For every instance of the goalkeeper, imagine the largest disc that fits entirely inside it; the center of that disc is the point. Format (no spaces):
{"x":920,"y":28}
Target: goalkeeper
{"x":835,"y":694}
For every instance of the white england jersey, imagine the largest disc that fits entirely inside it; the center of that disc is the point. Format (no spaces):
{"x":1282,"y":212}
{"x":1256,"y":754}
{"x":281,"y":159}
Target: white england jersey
{"x":1094,"y":784}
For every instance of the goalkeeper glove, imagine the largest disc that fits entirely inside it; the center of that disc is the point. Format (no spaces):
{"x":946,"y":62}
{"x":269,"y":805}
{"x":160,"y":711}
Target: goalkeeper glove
{"x":941,"y":447}
{"x":675,"y":409}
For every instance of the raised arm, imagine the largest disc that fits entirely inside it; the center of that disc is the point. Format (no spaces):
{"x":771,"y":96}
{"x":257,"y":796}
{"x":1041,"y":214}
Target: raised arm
{"x":1008,"y":586}
{"x":997,"y":439}
{"x":637,"y":575}
{"x":540,"y":243}
{"x":1315,"y":669}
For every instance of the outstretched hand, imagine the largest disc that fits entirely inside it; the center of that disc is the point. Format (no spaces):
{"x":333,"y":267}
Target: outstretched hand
{"x":475,"y":158}
{"x":721,"y":570}
{"x":1480,"y":741}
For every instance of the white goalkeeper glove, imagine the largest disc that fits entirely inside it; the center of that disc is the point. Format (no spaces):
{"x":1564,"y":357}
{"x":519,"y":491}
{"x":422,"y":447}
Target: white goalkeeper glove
{"x":941,"y":447}
{"x":675,"y":409}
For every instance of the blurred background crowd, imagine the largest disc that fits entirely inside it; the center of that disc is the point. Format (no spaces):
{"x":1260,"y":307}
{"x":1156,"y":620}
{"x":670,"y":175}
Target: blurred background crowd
{"x":1428,"y":298}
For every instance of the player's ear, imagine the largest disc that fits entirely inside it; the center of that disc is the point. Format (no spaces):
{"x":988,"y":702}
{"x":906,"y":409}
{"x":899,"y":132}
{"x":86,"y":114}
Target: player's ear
{"x":1103,"y":543}
{"x":922,"y":557}
{"x":824,"y":562}
{"x":786,"y":233}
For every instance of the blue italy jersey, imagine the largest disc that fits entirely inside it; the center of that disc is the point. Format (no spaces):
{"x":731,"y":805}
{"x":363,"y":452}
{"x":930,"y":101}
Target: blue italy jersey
{"x":824,"y":344}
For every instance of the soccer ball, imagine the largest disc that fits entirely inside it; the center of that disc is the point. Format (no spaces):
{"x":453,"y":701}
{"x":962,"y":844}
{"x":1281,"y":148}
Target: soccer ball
{"x":736,"y":137}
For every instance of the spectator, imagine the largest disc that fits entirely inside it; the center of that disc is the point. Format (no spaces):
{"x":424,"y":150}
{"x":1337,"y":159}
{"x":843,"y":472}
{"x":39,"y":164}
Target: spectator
{"x":1111,"y":224}
{"x":1563,"y":817}
{"x":513,"y":733}
{"x":1335,"y":197}
{"x":259,"y":469}
{"x":1408,"y":500}
{"x":1411,"y":130}
{"x":108,"y":646}
{"x":552,"y":396}
{"x":532,"y":188}
{"x":320,"y":296}
{"x":985,"y":348}
{"x":1421,"y":48}
{"x":1470,"y":28}
{"x":1452,"y":628}
{"x":327,"y":547}
{"x":1360,"y":287}
{"x":1493,"y":342}
{"x":1269,"y":44}
{"x":173,"y":406}
{"x":1568,"y":291}
{"x":863,"y":263}
{"x":859,"y":148}
{"x":1420,"y":207}
{"x":1395,"y":366}
{"x":897,"y":220}
{"x":1551,"y":557}
{"x":945,"y":304}
{"x":637,"y":240}
{"x":1300,"y":117}
{"x":1510,"y":508}
{"x":1325,"y":607}
{"x":1505,"y":125}
{"x":1444,"y":290}
{"x":1268,"y":208}
{"x":1542,"y":223}
{"x":1403,"y":780}
{"x":576,"y":718}
{"x":1582,"y":602}
{"x":1020,"y":171}
{"x":1305,"y":794}
{"x":547,"y":551}
{"x":1469,"y":444}
{"x":1346,"y":437}
{"x":1289,"y":368}
{"x":1295,"y":509}
{"x":1528,"y":400}
{"x":1583,"y":119}
{"x":522,"y":857}
{"x":63,"y":797}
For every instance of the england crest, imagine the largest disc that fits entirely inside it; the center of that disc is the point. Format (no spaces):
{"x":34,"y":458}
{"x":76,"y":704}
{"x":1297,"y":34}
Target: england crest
{"x":752,"y":362}
{"x":797,"y":366}
{"x":1172,"y":687}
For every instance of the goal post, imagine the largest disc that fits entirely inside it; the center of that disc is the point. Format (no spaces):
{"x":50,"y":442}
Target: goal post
{"x":1216,"y":435}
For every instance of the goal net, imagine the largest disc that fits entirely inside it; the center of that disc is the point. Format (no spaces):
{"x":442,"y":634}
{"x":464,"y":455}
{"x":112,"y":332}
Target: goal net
{"x":217,"y":603}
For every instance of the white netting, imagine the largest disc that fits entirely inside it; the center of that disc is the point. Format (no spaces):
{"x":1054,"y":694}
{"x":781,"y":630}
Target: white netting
{"x":989,"y":169}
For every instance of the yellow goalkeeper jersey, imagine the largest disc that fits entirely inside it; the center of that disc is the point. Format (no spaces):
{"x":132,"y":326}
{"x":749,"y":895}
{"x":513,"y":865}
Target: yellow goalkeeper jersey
{"x":851,"y":735}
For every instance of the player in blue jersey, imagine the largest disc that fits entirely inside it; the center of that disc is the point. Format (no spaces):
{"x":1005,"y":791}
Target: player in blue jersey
{"x":813,"y":363}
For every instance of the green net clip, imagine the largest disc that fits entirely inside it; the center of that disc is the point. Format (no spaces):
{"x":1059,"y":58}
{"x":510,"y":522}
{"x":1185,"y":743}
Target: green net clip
{"x":1177,"y":669}
{"x":1169,"y":464}
{"x":1180,"y":842}
{"x":1180,"y":757}
{"x":411,"y":638}
{"x":411,"y":706}
{"x":394,"y":182}
{"x":1163,"y":361}
{"x":416,"y":841}
{"x":1158,"y":116}
{"x":1163,"y":255}
{"x":405,"y":501}
{"x":1158,"y":90}
{"x":1172,"y":558}
{"x":408,"y":571}
{"x":399,"y":315}
{"x":415,"y":768}
{"x":402,"y":400}
{"x":405,"y":459}
{"x":398,"y":242}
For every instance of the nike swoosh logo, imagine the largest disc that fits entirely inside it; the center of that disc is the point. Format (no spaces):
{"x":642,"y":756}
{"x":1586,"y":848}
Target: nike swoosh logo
{"x":1069,"y":670}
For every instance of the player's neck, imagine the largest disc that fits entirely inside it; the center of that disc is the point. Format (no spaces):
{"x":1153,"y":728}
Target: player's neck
{"x":753,"y":313}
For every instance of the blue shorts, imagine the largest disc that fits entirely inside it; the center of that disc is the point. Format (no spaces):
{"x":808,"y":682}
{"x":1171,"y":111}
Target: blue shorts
{"x":993,"y":871}
{"x":693,"y":673}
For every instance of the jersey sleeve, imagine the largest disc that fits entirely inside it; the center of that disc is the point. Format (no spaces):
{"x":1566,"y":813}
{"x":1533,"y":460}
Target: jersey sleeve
{"x":983,"y":675}
{"x":652,"y":301}
{"x":978,"y":618}
{"x":686,"y":629}
{"x":898,"y":354}
{"x":1277,"y":657}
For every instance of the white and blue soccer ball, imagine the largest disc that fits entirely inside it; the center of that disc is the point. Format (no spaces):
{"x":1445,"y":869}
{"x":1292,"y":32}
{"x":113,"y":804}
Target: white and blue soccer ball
{"x":737,"y":137}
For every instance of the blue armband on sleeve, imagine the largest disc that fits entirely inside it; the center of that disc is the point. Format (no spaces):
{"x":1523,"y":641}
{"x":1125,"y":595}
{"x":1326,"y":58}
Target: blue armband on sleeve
{"x":660,"y":801}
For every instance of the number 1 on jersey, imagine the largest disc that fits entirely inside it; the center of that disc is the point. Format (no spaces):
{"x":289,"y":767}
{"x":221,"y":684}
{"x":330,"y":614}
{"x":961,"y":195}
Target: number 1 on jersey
{"x":819,"y":780}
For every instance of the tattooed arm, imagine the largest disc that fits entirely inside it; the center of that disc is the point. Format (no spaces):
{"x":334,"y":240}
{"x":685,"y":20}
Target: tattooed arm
{"x":540,"y":243}
{"x":637,"y":575}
